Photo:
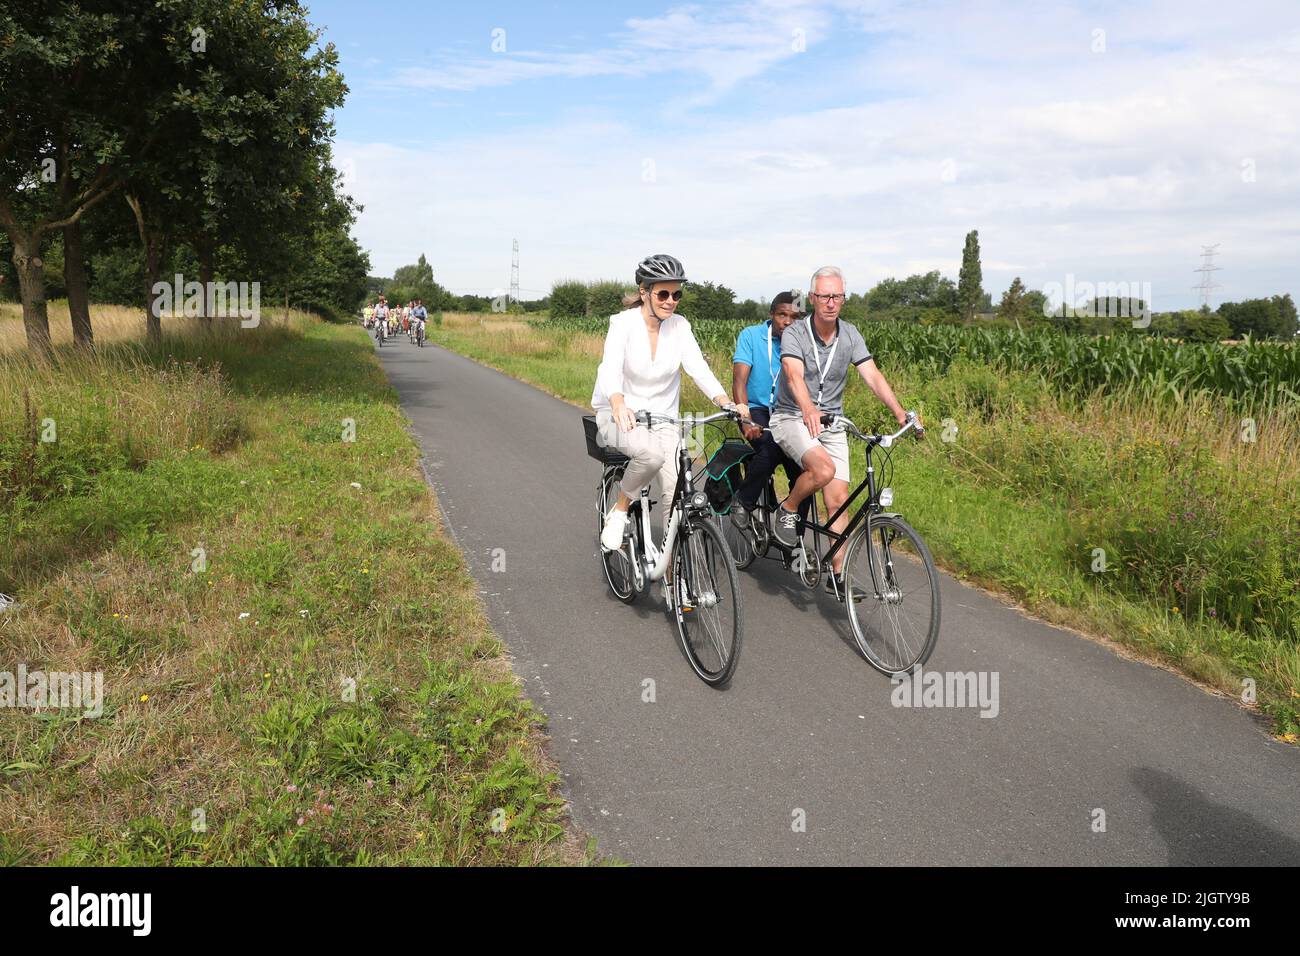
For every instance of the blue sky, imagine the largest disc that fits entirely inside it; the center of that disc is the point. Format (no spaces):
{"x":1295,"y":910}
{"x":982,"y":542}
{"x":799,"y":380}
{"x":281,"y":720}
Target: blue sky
{"x":759,"y":140}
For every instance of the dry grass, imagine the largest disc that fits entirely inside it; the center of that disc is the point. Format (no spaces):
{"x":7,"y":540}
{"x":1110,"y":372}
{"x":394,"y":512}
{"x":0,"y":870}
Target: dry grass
{"x":110,"y":323}
{"x":205,"y":709}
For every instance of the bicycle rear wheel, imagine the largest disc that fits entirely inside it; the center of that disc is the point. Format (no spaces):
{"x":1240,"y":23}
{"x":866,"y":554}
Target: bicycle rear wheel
{"x":740,"y":539}
{"x":617,"y":564}
{"x":893,"y":595}
{"x":706,"y":599}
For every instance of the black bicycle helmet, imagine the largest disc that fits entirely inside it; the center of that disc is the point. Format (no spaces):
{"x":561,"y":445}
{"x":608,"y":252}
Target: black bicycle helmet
{"x":659,"y":268}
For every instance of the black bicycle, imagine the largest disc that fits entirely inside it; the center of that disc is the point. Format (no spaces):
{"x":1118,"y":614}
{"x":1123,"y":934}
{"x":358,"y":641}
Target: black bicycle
{"x":705,"y":593}
{"x":890,"y":582}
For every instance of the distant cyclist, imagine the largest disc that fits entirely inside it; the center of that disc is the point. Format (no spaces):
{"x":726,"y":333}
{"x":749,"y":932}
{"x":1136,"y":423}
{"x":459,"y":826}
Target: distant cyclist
{"x":816,"y":355}
{"x":646,"y":348}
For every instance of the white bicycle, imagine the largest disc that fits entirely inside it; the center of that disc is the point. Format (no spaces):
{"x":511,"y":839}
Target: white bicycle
{"x":704,"y":594}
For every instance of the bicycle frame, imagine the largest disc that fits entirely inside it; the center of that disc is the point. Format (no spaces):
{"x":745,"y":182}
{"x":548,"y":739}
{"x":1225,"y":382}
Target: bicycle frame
{"x":869,"y":508}
{"x":652,"y":563}
{"x":656,"y":558}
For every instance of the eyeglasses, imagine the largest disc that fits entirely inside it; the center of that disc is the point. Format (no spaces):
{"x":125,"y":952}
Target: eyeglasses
{"x":663,"y":294}
{"x":828,"y":296}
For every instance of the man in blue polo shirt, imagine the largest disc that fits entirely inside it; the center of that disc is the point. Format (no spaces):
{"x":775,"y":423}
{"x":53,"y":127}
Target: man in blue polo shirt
{"x":755,"y":370}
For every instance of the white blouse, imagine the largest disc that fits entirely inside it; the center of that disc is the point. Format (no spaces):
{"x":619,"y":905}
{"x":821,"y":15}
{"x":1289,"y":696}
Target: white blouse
{"x":650,"y":385}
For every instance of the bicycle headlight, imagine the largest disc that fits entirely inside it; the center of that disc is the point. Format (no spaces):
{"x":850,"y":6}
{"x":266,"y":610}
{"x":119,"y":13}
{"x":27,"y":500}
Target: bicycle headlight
{"x":886,"y":497}
{"x":699,"y":500}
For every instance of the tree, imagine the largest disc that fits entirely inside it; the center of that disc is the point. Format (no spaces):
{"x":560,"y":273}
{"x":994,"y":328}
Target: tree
{"x":1206,"y":326}
{"x":568,"y":299}
{"x":1288,"y":323}
{"x":1261,"y":318}
{"x":970,"y":291}
{"x":908,"y":298}
{"x":1012,"y":306}
{"x":605,"y":298}
{"x":76,"y":86}
{"x":417,"y":282}
{"x":1034,"y":307}
{"x":704,"y":301}
{"x":420,"y":274}
{"x":751,"y":312}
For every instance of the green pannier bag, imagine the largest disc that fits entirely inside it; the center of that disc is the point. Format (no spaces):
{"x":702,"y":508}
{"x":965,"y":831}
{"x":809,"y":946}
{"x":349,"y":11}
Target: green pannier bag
{"x":724,"y":473}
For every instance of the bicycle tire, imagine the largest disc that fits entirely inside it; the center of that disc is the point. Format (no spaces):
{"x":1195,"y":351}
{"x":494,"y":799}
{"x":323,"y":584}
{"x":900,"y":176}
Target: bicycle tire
{"x":886,"y":647}
{"x":704,"y":567}
{"x":740,"y":541}
{"x":616,"y":564}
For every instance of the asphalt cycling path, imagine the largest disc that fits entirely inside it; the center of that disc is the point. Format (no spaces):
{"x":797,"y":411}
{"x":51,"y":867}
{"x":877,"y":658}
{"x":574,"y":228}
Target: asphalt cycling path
{"x":804,"y":759}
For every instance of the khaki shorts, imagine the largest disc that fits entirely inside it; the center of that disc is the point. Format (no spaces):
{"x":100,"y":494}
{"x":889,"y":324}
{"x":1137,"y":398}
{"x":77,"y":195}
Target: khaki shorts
{"x":792,"y":435}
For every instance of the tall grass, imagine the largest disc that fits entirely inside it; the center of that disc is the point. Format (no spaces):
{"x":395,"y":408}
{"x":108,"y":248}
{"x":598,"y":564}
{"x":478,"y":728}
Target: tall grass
{"x":226,"y":684}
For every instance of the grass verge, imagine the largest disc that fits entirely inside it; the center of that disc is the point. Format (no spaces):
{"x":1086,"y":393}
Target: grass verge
{"x":296,"y":665}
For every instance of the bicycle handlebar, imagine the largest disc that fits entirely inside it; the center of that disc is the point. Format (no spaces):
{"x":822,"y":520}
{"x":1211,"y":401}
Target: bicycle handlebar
{"x":884,"y":441}
{"x":649,"y":418}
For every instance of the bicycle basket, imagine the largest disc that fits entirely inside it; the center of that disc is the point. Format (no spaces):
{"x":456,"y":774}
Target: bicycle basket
{"x":595,"y":449}
{"x":724,"y":474}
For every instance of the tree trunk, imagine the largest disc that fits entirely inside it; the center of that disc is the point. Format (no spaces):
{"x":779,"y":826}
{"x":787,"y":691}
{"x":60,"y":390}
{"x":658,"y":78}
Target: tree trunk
{"x":155,"y":248}
{"x":74,"y":276}
{"x":207,"y":256}
{"x":153,"y":242}
{"x":31,"y":287}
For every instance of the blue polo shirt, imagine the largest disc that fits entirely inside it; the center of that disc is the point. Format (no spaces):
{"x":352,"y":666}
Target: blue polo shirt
{"x":752,"y":349}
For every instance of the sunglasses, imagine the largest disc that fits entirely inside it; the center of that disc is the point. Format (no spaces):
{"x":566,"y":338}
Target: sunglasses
{"x":663,"y":294}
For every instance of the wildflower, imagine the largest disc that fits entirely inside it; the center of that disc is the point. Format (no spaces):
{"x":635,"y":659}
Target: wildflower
{"x":268,"y":674}
{"x":301,"y":821}
{"x":1213,"y":613}
{"x":292,"y":788}
{"x":1175,"y":610}
{"x":116,"y":615}
{"x":143,"y":698}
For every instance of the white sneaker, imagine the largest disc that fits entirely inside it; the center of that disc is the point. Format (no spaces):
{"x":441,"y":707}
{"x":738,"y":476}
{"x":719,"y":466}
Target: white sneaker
{"x":611,"y":536}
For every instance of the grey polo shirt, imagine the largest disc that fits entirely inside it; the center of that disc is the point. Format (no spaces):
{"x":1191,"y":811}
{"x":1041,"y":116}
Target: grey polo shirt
{"x":797,"y":343}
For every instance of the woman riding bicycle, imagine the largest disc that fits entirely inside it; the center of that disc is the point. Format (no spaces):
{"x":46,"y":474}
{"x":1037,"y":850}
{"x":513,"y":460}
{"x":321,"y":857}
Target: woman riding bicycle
{"x":646,"y":348}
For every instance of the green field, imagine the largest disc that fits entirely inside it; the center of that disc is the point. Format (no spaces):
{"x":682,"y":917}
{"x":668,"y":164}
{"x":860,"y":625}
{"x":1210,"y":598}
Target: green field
{"x":317,"y":685}
{"x":1145,"y":515}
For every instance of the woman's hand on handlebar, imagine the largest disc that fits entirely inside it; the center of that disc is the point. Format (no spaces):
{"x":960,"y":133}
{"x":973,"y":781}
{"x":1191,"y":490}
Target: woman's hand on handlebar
{"x":624,"y":416}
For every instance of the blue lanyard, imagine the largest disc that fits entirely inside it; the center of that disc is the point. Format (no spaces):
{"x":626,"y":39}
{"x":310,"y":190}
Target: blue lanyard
{"x":775,"y":370}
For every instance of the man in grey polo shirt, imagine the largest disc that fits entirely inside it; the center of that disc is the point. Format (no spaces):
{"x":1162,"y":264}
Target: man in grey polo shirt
{"x":816,"y":355}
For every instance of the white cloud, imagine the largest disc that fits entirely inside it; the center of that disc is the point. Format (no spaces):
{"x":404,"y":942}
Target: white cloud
{"x":723,"y":45}
{"x":1111,"y":166}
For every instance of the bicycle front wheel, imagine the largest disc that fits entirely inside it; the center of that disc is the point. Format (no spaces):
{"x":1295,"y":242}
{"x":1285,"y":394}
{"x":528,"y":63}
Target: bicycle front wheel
{"x":617,"y":564}
{"x":706,"y":598}
{"x":892,"y":595}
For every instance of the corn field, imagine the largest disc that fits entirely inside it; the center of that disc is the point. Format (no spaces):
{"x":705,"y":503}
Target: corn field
{"x":1252,"y":375}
